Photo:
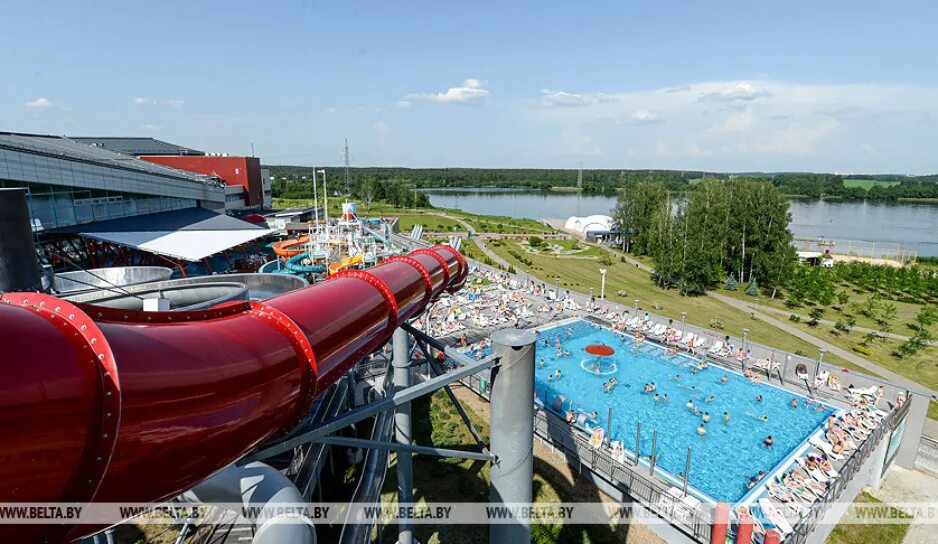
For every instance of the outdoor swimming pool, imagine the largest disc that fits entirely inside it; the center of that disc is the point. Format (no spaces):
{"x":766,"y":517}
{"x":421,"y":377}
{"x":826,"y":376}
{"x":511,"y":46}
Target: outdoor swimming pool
{"x":725,"y":457}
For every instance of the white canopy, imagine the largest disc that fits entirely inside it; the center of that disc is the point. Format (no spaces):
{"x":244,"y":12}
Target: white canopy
{"x":190,"y":245}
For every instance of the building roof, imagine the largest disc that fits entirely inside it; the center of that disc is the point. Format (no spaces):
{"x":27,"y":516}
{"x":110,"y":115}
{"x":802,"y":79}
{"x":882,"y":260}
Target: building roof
{"x":61,"y":147}
{"x":136,"y":146}
{"x":190,"y":234}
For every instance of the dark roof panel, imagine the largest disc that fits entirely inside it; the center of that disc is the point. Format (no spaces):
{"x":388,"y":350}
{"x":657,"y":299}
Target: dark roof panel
{"x":137,"y":146}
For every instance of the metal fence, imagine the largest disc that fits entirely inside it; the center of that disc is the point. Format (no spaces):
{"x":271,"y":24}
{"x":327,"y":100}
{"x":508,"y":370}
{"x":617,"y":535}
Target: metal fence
{"x":627,"y":477}
{"x":853,"y":464}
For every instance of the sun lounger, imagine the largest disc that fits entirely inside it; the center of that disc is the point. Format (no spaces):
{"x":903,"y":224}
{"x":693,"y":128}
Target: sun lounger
{"x":715,"y":348}
{"x":825,"y":447}
{"x":688,"y":338}
{"x":821,"y":379}
{"x":774,"y":516}
{"x":814,"y":473}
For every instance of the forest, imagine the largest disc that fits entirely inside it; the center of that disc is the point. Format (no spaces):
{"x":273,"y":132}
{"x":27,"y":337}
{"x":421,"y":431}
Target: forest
{"x":295,"y":181}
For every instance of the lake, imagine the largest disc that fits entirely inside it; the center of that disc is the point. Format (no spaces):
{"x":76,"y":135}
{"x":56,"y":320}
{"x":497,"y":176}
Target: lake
{"x":912,"y":225}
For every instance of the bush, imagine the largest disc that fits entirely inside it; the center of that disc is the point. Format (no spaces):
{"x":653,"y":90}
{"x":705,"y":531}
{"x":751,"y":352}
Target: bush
{"x":731,"y":284}
{"x":794,"y":318}
{"x":715,"y":324}
{"x":752,"y":289}
{"x":535,"y":241}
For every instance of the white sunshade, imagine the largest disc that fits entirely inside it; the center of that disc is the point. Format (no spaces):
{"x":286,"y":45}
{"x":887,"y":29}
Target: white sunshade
{"x":190,"y":245}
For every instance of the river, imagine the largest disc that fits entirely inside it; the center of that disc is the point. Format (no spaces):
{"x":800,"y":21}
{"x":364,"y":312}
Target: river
{"x":914,"y":226}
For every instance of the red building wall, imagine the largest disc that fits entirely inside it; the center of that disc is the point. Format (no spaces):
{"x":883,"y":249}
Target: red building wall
{"x":243,"y":171}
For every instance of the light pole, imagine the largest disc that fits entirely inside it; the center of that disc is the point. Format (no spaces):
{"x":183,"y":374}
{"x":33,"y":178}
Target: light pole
{"x":591,"y":298}
{"x":746,"y":340}
{"x":602,"y":288}
{"x":636,"y":306}
{"x":325,"y":199}
{"x":683,"y":323}
{"x":558,"y":288}
{"x":315,"y":201}
{"x":820,"y":359}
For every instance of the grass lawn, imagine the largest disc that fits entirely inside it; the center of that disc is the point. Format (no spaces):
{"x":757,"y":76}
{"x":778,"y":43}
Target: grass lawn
{"x":867,"y":183}
{"x":431,"y":223}
{"x":449,"y":480}
{"x":872,"y":533}
{"x":905,"y":311}
{"x":581,"y":274}
{"x":921,"y":368}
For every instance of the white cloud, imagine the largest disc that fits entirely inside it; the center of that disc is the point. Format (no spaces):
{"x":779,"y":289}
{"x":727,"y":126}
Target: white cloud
{"x":747,"y":125}
{"x":175,"y":104}
{"x":741,"y":91}
{"x":402,"y":104}
{"x":645,"y":116}
{"x":381,"y":126}
{"x":41,"y":103}
{"x":331,"y":111}
{"x":557,"y":99}
{"x":141,"y":101}
{"x":150,"y":127}
{"x":472,"y":91}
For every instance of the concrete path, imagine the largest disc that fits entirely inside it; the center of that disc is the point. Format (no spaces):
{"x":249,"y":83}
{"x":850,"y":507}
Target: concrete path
{"x":479,"y":242}
{"x":903,"y":486}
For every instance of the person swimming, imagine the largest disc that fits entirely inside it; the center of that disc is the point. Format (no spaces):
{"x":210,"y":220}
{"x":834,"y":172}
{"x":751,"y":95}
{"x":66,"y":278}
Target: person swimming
{"x":706,"y":417}
{"x":656,"y":398}
{"x":793,"y":403}
{"x":726,"y":418}
{"x":758,"y":398}
{"x":690,"y":405}
{"x":768,"y":442}
{"x":676,"y":377}
{"x":650,"y":387}
{"x":664,"y":398}
{"x":711,"y":398}
{"x":571,"y":416}
{"x":541,"y":364}
{"x":724,"y":379}
{"x":701,"y":429}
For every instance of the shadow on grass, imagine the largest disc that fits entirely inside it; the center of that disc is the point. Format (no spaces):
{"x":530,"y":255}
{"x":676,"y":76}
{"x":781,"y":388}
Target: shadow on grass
{"x":451,"y":481}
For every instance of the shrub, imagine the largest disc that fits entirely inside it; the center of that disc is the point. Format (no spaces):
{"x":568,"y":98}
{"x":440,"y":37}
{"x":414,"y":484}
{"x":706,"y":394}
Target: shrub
{"x":752,"y":289}
{"x":535,"y":241}
{"x":860,"y":348}
{"x":715,"y":324}
{"x":731,"y":284}
{"x":794,"y":318}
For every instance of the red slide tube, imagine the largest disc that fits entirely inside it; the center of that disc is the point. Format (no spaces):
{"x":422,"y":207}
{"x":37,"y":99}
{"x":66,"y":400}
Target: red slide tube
{"x":107,"y":405}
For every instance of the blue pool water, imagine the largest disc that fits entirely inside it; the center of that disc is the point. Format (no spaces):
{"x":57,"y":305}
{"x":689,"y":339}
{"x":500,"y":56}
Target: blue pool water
{"x":724,"y":458}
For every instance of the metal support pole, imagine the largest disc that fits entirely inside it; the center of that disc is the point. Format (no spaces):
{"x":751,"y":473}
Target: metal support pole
{"x":683,"y":323}
{"x":638,"y":440}
{"x":636,"y":306}
{"x":403,"y":431}
{"x":746,"y":340}
{"x":609,"y":425}
{"x":512,"y":430}
{"x":687,"y":471}
{"x":653,"y":457}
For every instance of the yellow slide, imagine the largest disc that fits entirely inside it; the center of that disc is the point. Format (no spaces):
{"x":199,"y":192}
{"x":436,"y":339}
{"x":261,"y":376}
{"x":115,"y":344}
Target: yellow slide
{"x":345,"y":263}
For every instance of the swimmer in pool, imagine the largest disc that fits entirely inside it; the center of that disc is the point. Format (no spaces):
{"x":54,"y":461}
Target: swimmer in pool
{"x":664,"y":398}
{"x":724,"y":379}
{"x":726,"y":418}
{"x":676,"y":377}
{"x":711,"y":398}
{"x":758,"y":398}
{"x":793,"y":403}
{"x":656,"y":398}
{"x":690,"y":405}
{"x":541,"y":364}
{"x":706,"y":417}
{"x":701,"y":430}
{"x":768,"y":442}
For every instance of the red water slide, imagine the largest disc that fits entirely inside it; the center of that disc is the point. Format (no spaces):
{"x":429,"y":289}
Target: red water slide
{"x":108,"y":405}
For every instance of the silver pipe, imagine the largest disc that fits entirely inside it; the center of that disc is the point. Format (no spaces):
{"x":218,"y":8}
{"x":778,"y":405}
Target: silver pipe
{"x":512,"y":430}
{"x":653,"y":458}
{"x":687,"y":471}
{"x":638,"y":440}
{"x":403,"y":431}
{"x":255,"y":486}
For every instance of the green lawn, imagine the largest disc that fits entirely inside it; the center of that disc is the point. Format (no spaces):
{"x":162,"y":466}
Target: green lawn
{"x":871,"y":533}
{"x":431,"y":223}
{"x":581,"y":274}
{"x":867,"y":183}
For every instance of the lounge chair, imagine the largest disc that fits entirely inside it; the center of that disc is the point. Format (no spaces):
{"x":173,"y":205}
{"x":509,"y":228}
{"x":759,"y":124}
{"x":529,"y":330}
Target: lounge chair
{"x":774,"y":516}
{"x":715,"y":348}
{"x":821,"y":379}
{"x":814,"y":473}
{"x":688,"y":338}
{"x":825,"y":447}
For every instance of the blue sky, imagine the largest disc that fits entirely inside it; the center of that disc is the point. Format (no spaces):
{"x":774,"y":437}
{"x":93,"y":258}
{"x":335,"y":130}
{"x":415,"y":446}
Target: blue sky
{"x":731,"y":86}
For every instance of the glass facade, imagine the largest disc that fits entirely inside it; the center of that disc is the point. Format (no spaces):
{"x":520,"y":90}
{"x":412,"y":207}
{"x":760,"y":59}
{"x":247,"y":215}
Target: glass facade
{"x":64,"y":189}
{"x":52,"y":206}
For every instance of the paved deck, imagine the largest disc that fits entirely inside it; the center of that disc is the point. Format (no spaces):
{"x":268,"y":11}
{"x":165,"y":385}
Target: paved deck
{"x":903,"y":486}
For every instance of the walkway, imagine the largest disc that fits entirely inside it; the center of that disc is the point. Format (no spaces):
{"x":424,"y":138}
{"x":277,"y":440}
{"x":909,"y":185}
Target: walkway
{"x":807,"y":337}
{"x":911,"y":487}
{"x":479,"y":242}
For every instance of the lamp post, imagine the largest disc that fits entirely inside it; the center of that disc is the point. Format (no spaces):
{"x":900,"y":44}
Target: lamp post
{"x":636,"y":306}
{"x":683,"y":323}
{"x":558,"y":288}
{"x":602,"y":288}
{"x":591,"y":298}
{"x":820,"y":359}
{"x":746,"y":340}
{"x":325,"y":199}
{"x":315,"y":201}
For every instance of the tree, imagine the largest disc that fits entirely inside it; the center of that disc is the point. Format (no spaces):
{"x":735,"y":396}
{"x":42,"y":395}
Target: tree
{"x":369,"y":191}
{"x":752,"y":289}
{"x":635,"y":212}
{"x":535,"y":241}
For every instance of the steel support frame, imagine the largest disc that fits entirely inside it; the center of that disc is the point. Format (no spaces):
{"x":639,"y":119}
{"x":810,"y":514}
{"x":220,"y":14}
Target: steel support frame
{"x":334,"y":440}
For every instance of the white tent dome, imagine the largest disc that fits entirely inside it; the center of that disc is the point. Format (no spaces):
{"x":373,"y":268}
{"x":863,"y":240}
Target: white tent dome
{"x":582,"y":225}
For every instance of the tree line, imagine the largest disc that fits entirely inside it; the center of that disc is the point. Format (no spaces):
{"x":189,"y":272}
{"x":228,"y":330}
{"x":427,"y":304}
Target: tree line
{"x":289,"y":180}
{"x":737,"y":228}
